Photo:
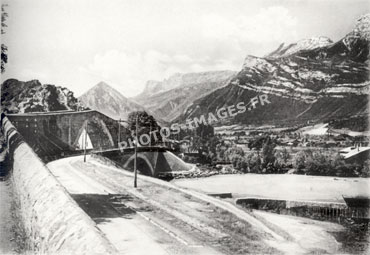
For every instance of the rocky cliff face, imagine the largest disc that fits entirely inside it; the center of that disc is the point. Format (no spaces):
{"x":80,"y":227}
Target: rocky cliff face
{"x":313,"y":79}
{"x":305,"y":44}
{"x":32,"y":96}
{"x":182,"y":80}
{"x":109,"y":101}
{"x":168,"y":99}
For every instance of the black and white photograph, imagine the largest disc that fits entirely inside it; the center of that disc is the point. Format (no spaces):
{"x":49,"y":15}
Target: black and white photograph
{"x":185,"y":127}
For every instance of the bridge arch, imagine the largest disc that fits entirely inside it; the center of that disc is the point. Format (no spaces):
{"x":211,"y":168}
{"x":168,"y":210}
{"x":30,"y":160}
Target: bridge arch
{"x":144,"y":165}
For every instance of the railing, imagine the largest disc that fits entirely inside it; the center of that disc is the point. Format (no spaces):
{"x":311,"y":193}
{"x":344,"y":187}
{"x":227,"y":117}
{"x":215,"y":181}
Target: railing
{"x":315,"y":210}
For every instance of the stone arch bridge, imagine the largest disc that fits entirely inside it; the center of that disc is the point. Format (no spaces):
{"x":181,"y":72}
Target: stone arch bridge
{"x":151,"y":161}
{"x":54,"y":135}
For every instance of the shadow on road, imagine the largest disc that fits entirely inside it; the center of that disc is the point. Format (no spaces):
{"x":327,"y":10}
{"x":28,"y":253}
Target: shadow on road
{"x":102,"y":207}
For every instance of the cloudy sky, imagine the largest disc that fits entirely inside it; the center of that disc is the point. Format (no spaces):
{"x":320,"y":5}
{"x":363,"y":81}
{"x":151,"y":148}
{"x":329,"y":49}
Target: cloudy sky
{"x":77,"y":43}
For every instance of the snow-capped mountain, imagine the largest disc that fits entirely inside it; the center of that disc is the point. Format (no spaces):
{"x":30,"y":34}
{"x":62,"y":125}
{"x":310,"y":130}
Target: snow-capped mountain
{"x":32,"y":96}
{"x":109,"y":101}
{"x":313,"y":79}
{"x":168,"y":99}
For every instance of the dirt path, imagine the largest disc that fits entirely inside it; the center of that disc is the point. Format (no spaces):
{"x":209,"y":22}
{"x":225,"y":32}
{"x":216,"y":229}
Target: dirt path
{"x":168,"y":221}
{"x":120,"y":216}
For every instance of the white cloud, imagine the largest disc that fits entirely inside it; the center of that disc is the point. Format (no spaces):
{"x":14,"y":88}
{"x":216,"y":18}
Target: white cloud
{"x":129,"y":71}
{"x":225,"y":44}
{"x":272,"y":24}
{"x":126,"y":43}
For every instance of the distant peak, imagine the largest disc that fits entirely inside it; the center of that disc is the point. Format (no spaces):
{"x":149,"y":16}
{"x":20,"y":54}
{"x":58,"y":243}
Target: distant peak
{"x":103,"y":88}
{"x":364,"y":19}
{"x":103,"y":84}
{"x":362,"y":27}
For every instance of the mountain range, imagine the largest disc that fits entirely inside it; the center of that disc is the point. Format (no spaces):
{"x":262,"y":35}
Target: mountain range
{"x":170,"y":98}
{"x":314,"y":80}
{"x":311,"y":80}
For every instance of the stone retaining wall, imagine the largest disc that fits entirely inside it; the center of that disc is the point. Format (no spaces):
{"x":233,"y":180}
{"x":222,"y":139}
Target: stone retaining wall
{"x":330,"y":211}
{"x":53,"y":222}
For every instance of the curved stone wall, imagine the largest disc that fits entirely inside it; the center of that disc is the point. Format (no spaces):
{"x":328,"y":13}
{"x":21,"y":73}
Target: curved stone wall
{"x":53,"y":222}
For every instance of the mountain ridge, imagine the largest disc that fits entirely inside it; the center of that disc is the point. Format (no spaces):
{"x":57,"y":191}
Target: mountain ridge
{"x":153,"y":87}
{"x":32,"y":96}
{"x":333,"y":74}
{"x":168,"y":104}
{"x":304,"y":44}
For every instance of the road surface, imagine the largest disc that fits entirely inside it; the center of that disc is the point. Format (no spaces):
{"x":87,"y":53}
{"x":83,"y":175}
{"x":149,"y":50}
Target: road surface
{"x":154,"y":218}
{"x":166,"y":219}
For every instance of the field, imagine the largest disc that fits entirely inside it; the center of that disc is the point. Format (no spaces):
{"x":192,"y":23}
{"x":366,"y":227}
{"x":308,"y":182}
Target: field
{"x":281,"y":186}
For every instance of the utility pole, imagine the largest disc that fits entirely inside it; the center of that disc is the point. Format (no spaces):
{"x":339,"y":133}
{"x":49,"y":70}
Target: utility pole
{"x":150,"y":135}
{"x":85,"y":142}
{"x":136,"y":138}
{"x":119,"y":132}
{"x":135,"y":162}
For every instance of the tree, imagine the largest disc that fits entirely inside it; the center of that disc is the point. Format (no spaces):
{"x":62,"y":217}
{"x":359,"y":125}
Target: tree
{"x":339,"y":165}
{"x":327,"y":164}
{"x":202,"y":139}
{"x":146,"y":125}
{"x":299,"y":161}
{"x":315,"y":163}
{"x":205,"y":131}
{"x":221,"y":148}
{"x":4,"y":48}
{"x":282,"y":158}
{"x":256,"y":143}
{"x":268,"y":152}
{"x":253,"y":161}
{"x":365,"y":171}
{"x":231,"y":152}
{"x":285,"y":156}
{"x":196,"y":144}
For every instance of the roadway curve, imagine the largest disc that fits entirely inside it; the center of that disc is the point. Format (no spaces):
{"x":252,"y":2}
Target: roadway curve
{"x":126,"y":221}
{"x":153,"y":217}
{"x":164,"y":219}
